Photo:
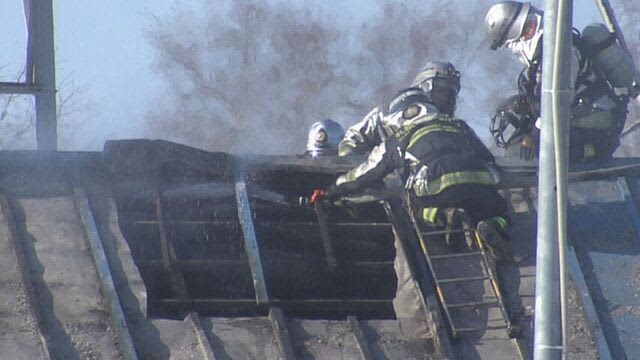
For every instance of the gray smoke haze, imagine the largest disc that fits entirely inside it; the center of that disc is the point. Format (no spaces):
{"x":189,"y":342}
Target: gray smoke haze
{"x":252,"y":76}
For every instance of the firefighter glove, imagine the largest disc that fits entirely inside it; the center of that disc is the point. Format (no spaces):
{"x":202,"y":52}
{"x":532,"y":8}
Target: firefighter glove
{"x":317,"y":195}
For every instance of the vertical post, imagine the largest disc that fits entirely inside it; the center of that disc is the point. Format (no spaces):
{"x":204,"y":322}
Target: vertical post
{"x":41,"y":38}
{"x":555,"y":111}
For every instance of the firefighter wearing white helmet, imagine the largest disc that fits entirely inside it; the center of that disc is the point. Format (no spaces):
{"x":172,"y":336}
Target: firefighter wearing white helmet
{"x":323,"y":138}
{"x":442,"y":163}
{"x":505,"y":22}
{"x":438,"y":79}
{"x":598,"y":111}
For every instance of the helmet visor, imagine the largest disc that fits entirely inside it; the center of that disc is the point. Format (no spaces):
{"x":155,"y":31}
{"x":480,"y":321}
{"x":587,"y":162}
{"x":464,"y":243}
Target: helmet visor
{"x":445,"y":84}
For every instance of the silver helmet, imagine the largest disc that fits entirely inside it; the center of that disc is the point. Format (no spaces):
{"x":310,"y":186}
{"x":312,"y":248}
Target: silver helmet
{"x":324,"y":137}
{"x":505,"y":22}
{"x":442,"y":77}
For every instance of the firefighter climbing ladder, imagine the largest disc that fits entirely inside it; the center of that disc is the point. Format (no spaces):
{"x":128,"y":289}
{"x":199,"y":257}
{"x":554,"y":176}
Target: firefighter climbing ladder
{"x":452,"y":300}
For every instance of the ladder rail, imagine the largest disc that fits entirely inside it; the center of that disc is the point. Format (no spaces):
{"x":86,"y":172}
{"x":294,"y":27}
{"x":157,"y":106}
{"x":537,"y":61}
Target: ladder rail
{"x":439,"y":292}
{"x":494,"y":284}
{"x":489,"y":274}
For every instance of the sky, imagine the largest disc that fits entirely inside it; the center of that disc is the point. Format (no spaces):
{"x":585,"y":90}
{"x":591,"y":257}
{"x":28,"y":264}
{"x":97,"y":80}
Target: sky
{"x":101,"y":51}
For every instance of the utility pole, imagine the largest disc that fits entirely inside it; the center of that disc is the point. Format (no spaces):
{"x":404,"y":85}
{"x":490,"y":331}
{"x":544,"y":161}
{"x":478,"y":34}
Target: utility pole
{"x":550,"y":338}
{"x":40,"y":78}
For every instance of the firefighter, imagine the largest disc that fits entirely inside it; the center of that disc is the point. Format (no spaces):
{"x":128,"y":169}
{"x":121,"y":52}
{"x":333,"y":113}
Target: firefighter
{"x":439,"y":79}
{"x":598,"y":113}
{"x":323,"y":138}
{"x":442,"y":163}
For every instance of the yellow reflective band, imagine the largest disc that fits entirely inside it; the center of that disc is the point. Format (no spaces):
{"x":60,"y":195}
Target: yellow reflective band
{"x":430,"y":215}
{"x":589,"y":150}
{"x":404,"y":131}
{"x":429,"y":129}
{"x":462,"y":177}
{"x":502,"y":222}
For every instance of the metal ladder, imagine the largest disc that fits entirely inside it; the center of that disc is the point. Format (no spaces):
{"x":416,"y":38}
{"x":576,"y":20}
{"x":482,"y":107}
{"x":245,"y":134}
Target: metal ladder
{"x":477,"y":251}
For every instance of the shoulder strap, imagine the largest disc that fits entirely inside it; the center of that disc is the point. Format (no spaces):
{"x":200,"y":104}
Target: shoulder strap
{"x":585,"y":64}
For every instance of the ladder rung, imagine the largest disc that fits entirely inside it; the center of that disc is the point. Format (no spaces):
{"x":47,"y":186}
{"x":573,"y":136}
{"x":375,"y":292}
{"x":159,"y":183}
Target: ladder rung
{"x":449,"y":256}
{"x":442,"y":232}
{"x":472,"y":304}
{"x":462,"y":279}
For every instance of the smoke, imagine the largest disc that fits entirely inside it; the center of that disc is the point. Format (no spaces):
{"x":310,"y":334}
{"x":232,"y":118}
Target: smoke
{"x":252,"y":76}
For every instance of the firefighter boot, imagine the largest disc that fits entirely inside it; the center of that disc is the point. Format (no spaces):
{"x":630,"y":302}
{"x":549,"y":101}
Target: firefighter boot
{"x":494,"y":239}
{"x":455,"y":220}
{"x":432,"y":217}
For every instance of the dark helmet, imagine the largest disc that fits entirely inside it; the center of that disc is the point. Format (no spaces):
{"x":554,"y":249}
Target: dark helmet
{"x":408,"y":104}
{"x":406,"y":97}
{"x":505,"y":22}
{"x":513,"y":120}
{"x":324,"y":137}
{"x":440,"y":77}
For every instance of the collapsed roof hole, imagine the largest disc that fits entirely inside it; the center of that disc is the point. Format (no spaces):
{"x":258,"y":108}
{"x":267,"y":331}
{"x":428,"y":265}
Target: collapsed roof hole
{"x":205,"y":267}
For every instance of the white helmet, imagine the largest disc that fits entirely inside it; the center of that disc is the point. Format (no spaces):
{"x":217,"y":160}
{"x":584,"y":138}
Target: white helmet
{"x":324,"y":137}
{"x":505,"y":22}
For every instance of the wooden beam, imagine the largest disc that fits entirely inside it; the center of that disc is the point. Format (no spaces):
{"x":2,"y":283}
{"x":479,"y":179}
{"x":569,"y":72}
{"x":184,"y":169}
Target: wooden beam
{"x":178,"y":281}
{"x":107,"y":285}
{"x":249,"y":305}
{"x":361,"y":339}
{"x":281,"y":330}
{"x":250,"y":242}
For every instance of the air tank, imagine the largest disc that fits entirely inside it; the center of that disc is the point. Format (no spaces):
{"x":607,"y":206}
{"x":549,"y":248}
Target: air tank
{"x":610,"y":57}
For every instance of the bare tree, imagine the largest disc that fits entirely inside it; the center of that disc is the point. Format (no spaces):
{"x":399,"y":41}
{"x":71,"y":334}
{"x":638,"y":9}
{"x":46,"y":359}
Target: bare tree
{"x":251,"y":75}
{"x":248,"y":80}
{"x":18,"y":117}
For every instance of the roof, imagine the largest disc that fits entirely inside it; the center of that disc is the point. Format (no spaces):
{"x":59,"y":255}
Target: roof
{"x":145,"y":250}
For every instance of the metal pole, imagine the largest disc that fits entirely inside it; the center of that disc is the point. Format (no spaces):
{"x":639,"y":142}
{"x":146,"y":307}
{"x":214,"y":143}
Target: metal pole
{"x":555,"y":111}
{"x":41,"y":37}
{"x":562,"y":98}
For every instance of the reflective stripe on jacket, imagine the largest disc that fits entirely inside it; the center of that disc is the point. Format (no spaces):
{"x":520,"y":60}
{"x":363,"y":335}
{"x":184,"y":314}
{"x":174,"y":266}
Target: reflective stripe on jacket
{"x":450,"y":150}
